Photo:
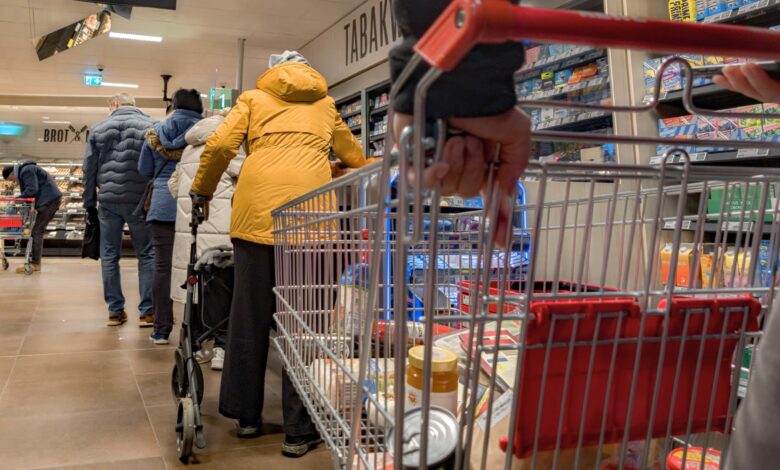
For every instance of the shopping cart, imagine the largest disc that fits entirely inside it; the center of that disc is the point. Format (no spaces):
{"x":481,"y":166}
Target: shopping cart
{"x":621,"y":343}
{"x":17,"y":217}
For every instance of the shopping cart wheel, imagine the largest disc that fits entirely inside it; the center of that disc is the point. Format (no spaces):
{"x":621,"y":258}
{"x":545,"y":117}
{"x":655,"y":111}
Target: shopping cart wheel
{"x":28,"y":269}
{"x":6,"y":264}
{"x":180,"y":384}
{"x":185,"y":429}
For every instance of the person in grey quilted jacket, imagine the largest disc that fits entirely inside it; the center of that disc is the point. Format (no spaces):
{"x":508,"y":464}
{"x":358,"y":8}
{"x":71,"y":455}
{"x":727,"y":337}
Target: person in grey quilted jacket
{"x":113,"y":187}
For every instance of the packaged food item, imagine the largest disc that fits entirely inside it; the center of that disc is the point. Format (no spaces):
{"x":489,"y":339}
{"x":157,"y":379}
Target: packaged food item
{"x":351,"y":298}
{"x":548,"y":79}
{"x":744,"y":371}
{"x":442,"y":439}
{"x":651,"y":68}
{"x":683,"y":277}
{"x":709,"y":275}
{"x":666,"y":262}
{"x":693,"y":459}
{"x":763,"y":271}
{"x":771,"y":127}
{"x":680,"y":127}
{"x":444,"y":379}
{"x":562,"y":77}
{"x":682,"y":10}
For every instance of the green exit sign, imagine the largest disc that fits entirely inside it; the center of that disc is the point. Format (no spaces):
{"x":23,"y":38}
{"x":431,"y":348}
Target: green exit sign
{"x":222,"y":98}
{"x":92,"y":79}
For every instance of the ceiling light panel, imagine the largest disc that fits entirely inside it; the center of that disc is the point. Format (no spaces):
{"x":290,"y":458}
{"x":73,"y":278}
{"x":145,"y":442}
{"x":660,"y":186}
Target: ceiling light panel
{"x":135,"y":37}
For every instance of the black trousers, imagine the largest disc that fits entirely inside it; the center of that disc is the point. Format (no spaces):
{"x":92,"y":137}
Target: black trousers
{"x":251,"y":319}
{"x":43,"y":216}
{"x":162,"y":305}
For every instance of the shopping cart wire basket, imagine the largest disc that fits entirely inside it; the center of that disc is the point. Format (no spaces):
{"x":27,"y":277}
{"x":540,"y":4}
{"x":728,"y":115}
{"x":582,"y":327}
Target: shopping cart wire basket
{"x":17,"y":217}
{"x":622,"y":335}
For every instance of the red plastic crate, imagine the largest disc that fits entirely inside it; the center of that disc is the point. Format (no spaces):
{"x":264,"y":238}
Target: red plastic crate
{"x":10,"y":221}
{"x":615,"y":399}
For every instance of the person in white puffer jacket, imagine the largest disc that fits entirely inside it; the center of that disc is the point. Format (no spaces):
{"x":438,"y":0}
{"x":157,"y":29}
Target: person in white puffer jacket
{"x":213,"y":233}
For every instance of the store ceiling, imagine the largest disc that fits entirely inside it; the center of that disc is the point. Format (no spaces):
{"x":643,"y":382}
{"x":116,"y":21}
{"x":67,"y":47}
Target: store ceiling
{"x":199,"y":47}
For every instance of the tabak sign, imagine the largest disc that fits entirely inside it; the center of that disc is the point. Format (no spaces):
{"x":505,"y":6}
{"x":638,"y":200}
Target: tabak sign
{"x":370,"y":30}
{"x":68,"y":134}
{"x":358,"y":42}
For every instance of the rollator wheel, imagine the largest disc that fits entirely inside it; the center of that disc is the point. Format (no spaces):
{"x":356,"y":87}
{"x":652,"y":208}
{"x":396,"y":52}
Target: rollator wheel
{"x":6,"y":264}
{"x":180,"y":384}
{"x":185,"y":429}
{"x":28,"y":269}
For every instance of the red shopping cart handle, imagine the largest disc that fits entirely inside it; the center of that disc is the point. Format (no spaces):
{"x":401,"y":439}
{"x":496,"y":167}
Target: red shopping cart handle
{"x":17,"y":199}
{"x":466,"y":23}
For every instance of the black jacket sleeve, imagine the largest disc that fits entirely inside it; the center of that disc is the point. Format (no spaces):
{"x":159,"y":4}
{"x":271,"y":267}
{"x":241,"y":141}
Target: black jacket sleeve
{"x":482,"y":85}
{"x":28,"y":182}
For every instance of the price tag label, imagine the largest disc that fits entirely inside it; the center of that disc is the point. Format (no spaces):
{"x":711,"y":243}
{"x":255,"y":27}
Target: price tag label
{"x":719,"y":17}
{"x":753,"y":7}
{"x":752,"y":153}
{"x":687,"y":224}
{"x":669,"y":225}
{"x":697,"y":157}
{"x":656,"y":160}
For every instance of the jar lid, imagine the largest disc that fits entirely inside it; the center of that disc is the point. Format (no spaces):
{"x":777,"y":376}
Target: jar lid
{"x":442,"y":359}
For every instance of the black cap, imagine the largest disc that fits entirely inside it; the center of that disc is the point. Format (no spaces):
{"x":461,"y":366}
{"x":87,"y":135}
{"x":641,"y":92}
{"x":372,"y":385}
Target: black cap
{"x":188,"y":99}
{"x":7,"y":170}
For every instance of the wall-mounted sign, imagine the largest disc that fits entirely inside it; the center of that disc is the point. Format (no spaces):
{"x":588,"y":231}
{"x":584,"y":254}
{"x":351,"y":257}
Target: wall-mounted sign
{"x":93,"y":79}
{"x":12,"y":129}
{"x":358,"y":42}
{"x":69,"y":134}
{"x":222,"y":98}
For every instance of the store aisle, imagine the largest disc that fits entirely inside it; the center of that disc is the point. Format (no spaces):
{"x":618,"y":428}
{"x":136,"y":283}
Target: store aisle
{"x":77,"y":394}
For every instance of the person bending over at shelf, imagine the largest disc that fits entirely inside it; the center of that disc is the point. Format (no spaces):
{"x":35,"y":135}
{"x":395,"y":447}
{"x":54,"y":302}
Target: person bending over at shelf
{"x":290,"y":123}
{"x":36,"y":183}
{"x":111,"y":167}
{"x":161,"y":153}
{"x":757,"y":425}
{"x":478,"y":98}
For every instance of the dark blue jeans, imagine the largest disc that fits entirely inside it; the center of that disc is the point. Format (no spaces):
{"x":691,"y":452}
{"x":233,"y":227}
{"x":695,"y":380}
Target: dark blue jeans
{"x":112,"y":220}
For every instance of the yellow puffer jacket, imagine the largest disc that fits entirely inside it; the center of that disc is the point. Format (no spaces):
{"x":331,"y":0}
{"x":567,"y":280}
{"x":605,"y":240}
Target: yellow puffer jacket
{"x":289,"y":123}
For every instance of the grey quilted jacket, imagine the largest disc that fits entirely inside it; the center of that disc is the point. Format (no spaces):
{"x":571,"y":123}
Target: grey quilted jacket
{"x":111,"y":159}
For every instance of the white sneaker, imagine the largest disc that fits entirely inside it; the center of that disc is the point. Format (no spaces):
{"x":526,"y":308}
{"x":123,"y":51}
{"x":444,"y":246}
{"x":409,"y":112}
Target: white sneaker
{"x":218,"y":361}
{"x":203,"y":356}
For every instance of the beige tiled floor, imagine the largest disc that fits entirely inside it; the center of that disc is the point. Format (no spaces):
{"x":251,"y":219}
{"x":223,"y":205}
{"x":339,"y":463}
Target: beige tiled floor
{"x":75,"y":394}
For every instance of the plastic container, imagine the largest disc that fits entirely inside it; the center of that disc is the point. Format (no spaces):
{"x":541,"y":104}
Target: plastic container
{"x":444,"y":380}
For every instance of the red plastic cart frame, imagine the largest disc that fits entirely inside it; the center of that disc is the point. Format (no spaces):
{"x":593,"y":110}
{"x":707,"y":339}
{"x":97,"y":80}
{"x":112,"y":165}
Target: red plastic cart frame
{"x":467,"y":23}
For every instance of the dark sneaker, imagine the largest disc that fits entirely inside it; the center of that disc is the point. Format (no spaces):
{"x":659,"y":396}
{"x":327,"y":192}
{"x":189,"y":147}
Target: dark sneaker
{"x":159,"y":339}
{"x":116,"y":319}
{"x":146,"y":321}
{"x":299,"y":446}
{"x":249,"y":431}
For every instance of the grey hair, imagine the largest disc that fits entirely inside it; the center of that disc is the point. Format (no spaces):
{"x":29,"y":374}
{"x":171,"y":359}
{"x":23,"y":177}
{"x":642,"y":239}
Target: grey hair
{"x":121,"y":99}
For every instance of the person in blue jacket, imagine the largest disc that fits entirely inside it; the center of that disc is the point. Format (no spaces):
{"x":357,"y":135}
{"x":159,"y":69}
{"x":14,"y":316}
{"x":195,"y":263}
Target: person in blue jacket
{"x":162,"y":151}
{"x":36,"y":183}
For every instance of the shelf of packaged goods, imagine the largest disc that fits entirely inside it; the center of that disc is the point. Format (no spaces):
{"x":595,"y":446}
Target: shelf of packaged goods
{"x":564,"y":90}
{"x":73,"y":195}
{"x":67,"y":178}
{"x":377,"y":137}
{"x":761,"y":13}
{"x":379,"y":110}
{"x":712,"y":224}
{"x":585,"y":121}
{"x":356,"y":128}
{"x":742,"y":157}
{"x":570,"y":59}
{"x":708,"y":96}
{"x":351,"y":113}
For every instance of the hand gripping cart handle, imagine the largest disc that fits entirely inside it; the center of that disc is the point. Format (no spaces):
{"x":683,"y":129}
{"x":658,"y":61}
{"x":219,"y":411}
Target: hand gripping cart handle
{"x":467,"y":23}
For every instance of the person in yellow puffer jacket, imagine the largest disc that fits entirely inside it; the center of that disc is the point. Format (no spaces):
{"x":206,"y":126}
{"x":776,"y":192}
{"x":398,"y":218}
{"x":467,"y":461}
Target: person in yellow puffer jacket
{"x":290,"y":125}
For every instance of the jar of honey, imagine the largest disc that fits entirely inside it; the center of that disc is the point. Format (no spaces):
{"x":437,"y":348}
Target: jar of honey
{"x":444,"y":379}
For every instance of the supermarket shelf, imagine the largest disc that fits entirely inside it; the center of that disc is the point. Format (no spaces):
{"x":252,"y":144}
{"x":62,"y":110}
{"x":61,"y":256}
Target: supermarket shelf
{"x":762,"y":13}
{"x":356,"y":128}
{"x":67,"y":178}
{"x":572,"y":58}
{"x":561,"y":91}
{"x":734,"y":226}
{"x":379,"y":110}
{"x":708,"y":96}
{"x":353,"y":113}
{"x":585,"y":121}
{"x":377,"y":137}
{"x":765,"y":157}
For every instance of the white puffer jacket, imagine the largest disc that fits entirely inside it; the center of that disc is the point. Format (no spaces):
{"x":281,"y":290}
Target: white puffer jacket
{"x":216,"y":231}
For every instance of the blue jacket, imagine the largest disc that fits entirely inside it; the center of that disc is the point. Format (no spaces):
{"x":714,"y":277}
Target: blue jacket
{"x":111,"y":159}
{"x":161,"y":153}
{"x":35,"y":182}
